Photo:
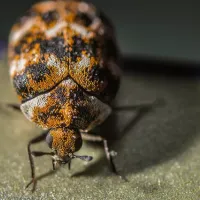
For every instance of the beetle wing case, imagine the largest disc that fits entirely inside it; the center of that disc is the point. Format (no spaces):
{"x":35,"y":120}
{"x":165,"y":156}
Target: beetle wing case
{"x":64,"y":63}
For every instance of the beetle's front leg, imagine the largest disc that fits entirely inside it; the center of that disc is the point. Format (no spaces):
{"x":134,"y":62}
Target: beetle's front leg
{"x":31,"y":157}
{"x":14,"y":106}
{"x":109,"y":155}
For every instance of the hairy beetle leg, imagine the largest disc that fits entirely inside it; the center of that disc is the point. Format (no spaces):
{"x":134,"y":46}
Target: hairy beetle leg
{"x":109,"y":156}
{"x":31,"y":156}
{"x":14,"y":106}
{"x":53,"y":164}
{"x":69,"y":165}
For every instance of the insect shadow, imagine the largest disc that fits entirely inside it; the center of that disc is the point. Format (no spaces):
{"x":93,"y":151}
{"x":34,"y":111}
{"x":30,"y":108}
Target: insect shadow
{"x":114,"y":134}
{"x":151,"y":148}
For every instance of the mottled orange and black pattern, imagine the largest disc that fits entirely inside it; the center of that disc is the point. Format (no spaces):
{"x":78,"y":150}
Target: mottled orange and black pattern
{"x":64,"y":65}
{"x":65,"y":141}
{"x":64,"y":106}
{"x":59,"y":39}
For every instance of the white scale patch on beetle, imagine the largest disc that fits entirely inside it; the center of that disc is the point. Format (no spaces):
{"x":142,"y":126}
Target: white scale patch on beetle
{"x":28,"y":107}
{"x":68,"y":82}
{"x":74,"y":26}
{"x":84,"y":63}
{"x":88,"y":9}
{"x":80,"y":29}
{"x":103,"y":109}
{"x":96,"y":24}
{"x":83,"y":7}
{"x":17,"y":66}
{"x":54,"y":62}
{"x":57,"y":28}
{"x":16,"y":35}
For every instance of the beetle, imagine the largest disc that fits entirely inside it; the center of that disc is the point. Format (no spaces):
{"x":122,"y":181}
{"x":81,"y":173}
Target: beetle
{"x":64,"y":66}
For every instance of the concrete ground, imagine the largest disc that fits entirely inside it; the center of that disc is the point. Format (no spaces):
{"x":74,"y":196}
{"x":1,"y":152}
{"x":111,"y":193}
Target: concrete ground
{"x":158,"y":147}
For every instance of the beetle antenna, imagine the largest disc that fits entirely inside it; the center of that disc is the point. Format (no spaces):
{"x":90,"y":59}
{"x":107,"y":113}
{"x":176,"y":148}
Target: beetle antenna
{"x":85,"y":158}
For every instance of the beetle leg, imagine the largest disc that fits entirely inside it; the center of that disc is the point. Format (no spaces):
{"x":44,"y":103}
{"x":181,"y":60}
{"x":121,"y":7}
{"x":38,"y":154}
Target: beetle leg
{"x":14,"y":106}
{"x":53,"y":164}
{"x":31,"y":156}
{"x":69,"y":165}
{"x":109,"y":156}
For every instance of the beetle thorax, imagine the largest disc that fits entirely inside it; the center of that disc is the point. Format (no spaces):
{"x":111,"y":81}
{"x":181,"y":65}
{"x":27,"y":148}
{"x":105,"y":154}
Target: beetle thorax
{"x":66,"y":106}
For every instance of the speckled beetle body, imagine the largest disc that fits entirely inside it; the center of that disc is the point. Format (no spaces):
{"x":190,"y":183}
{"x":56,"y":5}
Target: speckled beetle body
{"x":64,"y":63}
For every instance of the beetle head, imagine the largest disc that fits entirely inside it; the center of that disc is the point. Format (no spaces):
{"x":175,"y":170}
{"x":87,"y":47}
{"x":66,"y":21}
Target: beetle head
{"x":64,"y":142}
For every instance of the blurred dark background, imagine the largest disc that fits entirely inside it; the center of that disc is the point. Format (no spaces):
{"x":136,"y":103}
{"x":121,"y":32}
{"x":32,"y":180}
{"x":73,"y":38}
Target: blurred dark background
{"x":146,"y":30}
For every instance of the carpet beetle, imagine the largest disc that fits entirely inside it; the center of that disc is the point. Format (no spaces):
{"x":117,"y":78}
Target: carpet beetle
{"x":64,"y":67}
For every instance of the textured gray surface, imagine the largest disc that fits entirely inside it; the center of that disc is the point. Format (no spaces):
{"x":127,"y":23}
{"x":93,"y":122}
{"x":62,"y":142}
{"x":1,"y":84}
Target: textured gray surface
{"x":159,"y":154}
